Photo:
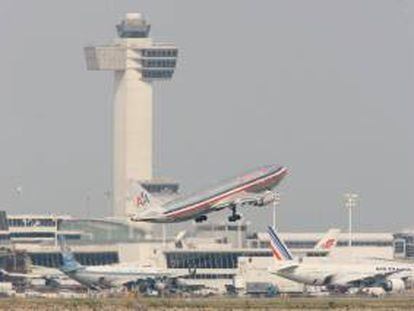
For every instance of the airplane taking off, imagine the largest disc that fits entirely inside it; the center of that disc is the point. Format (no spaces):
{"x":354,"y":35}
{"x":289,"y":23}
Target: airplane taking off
{"x":253,"y":188}
{"x":339,"y":276}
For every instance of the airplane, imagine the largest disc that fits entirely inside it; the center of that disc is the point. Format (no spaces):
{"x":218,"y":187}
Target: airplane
{"x":253,"y":189}
{"x":336,"y":275}
{"x":324,"y":246}
{"x":49,"y":275}
{"x":115,"y":275}
{"x":329,"y":240}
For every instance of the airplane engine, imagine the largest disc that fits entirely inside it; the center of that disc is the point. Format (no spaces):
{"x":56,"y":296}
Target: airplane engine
{"x":409,"y":282}
{"x":394,"y":285}
{"x":180,"y":282}
{"x":160,"y":286}
{"x":373,"y":291}
{"x":266,"y":199}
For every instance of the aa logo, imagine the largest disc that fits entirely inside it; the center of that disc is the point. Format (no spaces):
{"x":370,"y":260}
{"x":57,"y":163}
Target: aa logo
{"x":141,"y":200}
{"x":328,"y":244}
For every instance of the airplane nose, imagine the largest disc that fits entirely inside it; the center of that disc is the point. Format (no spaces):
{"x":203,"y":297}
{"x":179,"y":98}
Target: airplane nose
{"x":277,"y":167}
{"x":285,"y":170}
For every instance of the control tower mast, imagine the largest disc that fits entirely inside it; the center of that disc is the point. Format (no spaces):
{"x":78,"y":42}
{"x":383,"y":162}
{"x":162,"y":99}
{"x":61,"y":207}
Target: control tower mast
{"x":137,"y":61}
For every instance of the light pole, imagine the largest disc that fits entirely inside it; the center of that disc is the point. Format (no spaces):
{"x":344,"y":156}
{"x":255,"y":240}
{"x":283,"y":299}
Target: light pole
{"x":350,"y":203}
{"x":164,"y":236}
{"x":276,"y":202}
{"x":87,"y":203}
{"x":108,"y":198}
{"x":18,"y":191}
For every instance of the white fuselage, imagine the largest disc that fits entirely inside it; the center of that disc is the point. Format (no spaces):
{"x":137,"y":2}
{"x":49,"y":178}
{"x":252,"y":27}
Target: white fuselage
{"x":342,"y":274}
{"x":115,"y":275}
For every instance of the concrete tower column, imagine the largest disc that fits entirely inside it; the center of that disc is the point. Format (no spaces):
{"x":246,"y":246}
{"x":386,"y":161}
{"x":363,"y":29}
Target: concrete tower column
{"x":132,"y":130}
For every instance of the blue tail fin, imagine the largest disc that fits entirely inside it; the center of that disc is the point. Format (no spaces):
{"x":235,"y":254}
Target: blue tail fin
{"x":279,"y":249}
{"x":70,"y":264}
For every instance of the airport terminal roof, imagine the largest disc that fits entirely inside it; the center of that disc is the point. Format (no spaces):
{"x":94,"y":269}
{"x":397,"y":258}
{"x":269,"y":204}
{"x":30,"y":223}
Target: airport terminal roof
{"x":310,"y":236}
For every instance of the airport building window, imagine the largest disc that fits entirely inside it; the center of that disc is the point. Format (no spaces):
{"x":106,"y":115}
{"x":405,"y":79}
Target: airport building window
{"x":32,"y":235}
{"x":404,"y":244}
{"x":160,"y":53}
{"x":31,"y":222}
{"x":157,"y":74}
{"x":4,"y":237}
{"x":88,"y":259}
{"x":207,"y":276}
{"x":300,"y":244}
{"x":3,"y":221}
{"x":70,"y":236}
{"x":170,"y":63}
{"x":209,"y":260}
{"x":409,"y":250}
{"x":366,"y":243}
{"x":399,"y":247}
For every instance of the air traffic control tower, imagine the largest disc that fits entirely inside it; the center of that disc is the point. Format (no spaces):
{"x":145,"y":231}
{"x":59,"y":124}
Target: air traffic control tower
{"x":137,"y":61}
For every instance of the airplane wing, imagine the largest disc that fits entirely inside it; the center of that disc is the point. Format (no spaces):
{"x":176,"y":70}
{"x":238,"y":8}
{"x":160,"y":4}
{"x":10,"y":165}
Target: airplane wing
{"x":287,"y":268}
{"x":245,"y":199}
{"x":30,"y":276}
{"x":364,"y":279}
{"x":152,"y":277}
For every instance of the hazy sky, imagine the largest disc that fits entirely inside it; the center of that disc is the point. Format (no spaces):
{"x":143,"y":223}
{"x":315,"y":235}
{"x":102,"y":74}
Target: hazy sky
{"x":323,"y":87}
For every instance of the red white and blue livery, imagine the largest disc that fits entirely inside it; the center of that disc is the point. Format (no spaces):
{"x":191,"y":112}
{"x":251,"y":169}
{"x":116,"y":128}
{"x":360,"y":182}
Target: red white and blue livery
{"x":251,"y":189}
{"x":279,"y":249}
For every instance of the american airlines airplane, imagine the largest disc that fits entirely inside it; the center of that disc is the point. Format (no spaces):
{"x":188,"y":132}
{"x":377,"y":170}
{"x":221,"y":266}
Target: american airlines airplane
{"x":251,"y":189}
{"x":339,"y":275}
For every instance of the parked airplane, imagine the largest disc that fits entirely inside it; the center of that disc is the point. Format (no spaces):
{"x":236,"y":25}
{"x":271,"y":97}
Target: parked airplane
{"x":328,"y":241}
{"x":339,"y":276}
{"x":116,"y":275}
{"x":324,"y":246}
{"x":46,"y":274}
{"x":253,"y":188}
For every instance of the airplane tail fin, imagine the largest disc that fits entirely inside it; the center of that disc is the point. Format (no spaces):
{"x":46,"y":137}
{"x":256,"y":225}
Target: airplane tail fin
{"x":279,"y":249}
{"x":69,"y":263}
{"x":179,"y":239}
{"x":140,"y":198}
{"x":329,"y":240}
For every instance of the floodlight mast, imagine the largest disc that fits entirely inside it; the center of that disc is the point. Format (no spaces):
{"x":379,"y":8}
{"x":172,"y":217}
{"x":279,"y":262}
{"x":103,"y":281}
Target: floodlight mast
{"x":276,"y":202}
{"x":350,"y":203}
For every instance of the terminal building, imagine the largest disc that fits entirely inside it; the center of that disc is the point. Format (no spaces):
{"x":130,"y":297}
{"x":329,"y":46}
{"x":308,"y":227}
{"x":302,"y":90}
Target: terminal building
{"x":222,"y":254}
{"x":404,"y":245}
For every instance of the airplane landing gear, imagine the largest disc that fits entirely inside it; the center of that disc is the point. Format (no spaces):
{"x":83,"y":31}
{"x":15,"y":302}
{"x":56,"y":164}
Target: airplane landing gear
{"x":201,"y":218}
{"x":234,"y":216}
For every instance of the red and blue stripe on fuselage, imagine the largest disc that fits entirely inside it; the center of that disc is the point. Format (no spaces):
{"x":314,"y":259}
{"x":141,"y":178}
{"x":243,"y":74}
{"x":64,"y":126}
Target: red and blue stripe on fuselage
{"x":269,"y":179}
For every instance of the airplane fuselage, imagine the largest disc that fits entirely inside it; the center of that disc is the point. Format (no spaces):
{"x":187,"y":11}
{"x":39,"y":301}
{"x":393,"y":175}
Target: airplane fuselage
{"x":340,"y":274}
{"x":112,"y":276}
{"x":202,"y":203}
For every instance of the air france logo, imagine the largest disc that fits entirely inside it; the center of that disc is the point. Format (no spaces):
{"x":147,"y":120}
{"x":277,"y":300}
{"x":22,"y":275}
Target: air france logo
{"x":141,"y":200}
{"x":328,"y":244}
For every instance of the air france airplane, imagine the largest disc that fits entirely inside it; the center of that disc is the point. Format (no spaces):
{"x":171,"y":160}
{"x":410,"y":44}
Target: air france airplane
{"x":339,"y":276}
{"x":251,"y":189}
